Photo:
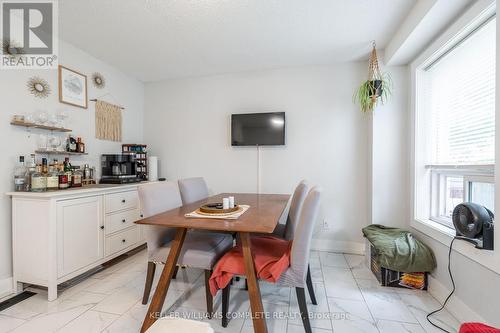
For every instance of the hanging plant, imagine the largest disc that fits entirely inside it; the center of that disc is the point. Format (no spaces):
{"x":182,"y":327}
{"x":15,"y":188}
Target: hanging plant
{"x":378,"y":87}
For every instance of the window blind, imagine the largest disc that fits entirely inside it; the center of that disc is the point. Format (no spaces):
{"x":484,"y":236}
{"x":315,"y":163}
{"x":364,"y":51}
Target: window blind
{"x":460,"y":92}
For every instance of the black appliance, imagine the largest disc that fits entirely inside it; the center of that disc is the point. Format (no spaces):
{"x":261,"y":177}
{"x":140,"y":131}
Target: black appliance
{"x":258,"y":129}
{"x":118,"y":169}
{"x":474,"y":223}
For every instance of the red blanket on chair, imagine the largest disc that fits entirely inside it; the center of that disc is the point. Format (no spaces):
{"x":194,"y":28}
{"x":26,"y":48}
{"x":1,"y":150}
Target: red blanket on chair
{"x":477,"y":328}
{"x":271,"y":257}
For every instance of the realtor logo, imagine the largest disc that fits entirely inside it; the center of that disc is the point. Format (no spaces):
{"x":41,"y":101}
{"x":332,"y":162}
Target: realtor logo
{"x":29,"y":34}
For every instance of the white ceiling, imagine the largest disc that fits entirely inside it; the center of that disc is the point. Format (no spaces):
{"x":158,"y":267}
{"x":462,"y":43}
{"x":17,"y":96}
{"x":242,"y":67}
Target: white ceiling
{"x":160,"y":39}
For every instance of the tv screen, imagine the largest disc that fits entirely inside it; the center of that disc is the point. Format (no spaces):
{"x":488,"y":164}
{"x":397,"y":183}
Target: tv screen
{"x":262,"y":129}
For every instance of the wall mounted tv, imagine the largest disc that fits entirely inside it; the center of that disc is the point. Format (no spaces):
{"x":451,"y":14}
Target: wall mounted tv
{"x":258,"y":129}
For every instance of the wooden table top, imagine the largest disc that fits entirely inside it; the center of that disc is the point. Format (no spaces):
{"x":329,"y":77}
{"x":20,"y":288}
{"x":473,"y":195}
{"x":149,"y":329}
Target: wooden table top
{"x":262,"y":216}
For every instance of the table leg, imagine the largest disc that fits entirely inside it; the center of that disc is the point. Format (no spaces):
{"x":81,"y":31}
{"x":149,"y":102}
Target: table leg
{"x":259,"y":321}
{"x":156,"y":305}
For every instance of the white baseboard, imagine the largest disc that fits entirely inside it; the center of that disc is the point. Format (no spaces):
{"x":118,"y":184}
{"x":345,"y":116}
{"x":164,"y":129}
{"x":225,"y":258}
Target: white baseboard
{"x":6,"y":287}
{"x":338,"y":246}
{"x":455,"y":305}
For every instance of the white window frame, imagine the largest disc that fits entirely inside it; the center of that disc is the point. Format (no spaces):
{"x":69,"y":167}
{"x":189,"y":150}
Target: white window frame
{"x":439,"y":173}
{"x":420,"y":175}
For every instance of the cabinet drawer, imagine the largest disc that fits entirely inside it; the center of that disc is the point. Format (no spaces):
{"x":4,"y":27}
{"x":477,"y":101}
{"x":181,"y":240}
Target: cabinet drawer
{"x":119,"y":201}
{"x":122,"y":240}
{"x":121,"y":220}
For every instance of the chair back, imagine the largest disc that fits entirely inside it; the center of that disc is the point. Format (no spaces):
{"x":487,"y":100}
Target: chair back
{"x":299,"y":195}
{"x":193,"y":189}
{"x":157,"y":198}
{"x":301,"y":245}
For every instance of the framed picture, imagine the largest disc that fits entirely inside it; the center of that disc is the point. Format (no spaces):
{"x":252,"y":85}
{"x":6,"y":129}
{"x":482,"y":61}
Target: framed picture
{"x":72,"y":87}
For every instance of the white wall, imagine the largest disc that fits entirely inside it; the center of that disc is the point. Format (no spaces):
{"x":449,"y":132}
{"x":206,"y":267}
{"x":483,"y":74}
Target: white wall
{"x":390,"y":156}
{"x":328,"y":138}
{"x":15,"y":99}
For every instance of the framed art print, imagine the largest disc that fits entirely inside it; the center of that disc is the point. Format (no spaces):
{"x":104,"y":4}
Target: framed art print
{"x":72,"y":87}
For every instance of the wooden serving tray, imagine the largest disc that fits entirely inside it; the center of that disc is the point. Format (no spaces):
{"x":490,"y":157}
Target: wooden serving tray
{"x":216,"y":208}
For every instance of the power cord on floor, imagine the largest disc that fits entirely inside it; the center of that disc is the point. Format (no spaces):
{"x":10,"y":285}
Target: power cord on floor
{"x":449,"y":296}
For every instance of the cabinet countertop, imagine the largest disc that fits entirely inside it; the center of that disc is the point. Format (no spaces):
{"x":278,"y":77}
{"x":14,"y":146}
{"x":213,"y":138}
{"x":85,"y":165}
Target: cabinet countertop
{"x":75,"y":192}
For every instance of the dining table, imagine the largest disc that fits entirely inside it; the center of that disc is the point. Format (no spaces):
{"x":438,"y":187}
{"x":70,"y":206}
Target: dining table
{"x":261,"y":217}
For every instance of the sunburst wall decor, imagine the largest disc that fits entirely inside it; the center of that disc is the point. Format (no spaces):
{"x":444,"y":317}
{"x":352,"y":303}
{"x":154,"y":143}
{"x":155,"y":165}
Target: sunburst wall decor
{"x":98,"y":80}
{"x":9,"y":48}
{"x":38,"y":87}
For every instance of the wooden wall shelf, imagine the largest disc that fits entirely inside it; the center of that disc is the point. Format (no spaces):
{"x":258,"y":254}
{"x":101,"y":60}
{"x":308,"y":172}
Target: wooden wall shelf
{"x":55,"y":152}
{"x":45,"y":127}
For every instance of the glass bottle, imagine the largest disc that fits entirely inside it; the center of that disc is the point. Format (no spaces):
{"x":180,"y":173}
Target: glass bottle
{"x":52,"y":179}
{"x":38,"y":180}
{"x":67,"y":170}
{"x":45,"y":168}
{"x":76,"y":180}
{"x":63,"y":178}
{"x":30,"y":171}
{"x":20,"y":176}
{"x":80,"y":145}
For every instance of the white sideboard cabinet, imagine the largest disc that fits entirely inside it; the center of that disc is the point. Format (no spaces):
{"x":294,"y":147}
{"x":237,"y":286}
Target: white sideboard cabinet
{"x":59,"y":235}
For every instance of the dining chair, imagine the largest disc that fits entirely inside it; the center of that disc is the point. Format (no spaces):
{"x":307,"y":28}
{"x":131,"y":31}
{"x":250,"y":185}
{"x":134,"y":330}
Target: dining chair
{"x":200,"y":249}
{"x":193,"y":189}
{"x":296,"y":275}
{"x":287,"y":231}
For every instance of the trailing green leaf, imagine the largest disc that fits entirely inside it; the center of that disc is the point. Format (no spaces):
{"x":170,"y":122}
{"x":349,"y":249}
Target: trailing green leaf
{"x":366,"y":96}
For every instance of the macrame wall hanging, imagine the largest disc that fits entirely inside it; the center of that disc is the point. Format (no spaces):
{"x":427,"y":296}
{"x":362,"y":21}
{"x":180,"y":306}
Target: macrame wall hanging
{"x":108,"y":121}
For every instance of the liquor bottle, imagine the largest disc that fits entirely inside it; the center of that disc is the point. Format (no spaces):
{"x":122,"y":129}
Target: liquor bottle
{"x":71,"y":144}
{"x":20,"y":176}
{"x":63,"y":178}
{"x":67,"y":170}
{"x":80,"y":146}
{"x":45,"y":168}
{"x":76,"y":180}
{"x":52,"y":179}
{"x":30,"y":171}
{"x":38,"y":180}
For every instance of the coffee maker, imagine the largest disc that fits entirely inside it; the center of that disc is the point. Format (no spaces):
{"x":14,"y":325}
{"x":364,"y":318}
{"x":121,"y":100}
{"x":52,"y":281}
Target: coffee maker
{"x":118,"y":169}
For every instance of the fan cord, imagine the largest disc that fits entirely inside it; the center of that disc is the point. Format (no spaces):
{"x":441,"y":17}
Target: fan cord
{"x":449,"y":296}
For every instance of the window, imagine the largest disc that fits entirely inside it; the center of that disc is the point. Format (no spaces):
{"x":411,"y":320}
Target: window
{"x":458,"y":95}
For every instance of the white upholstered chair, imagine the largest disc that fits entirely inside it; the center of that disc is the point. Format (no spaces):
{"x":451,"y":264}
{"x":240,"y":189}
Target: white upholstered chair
{"x":193,"y":189}
{"x":200,"y":249}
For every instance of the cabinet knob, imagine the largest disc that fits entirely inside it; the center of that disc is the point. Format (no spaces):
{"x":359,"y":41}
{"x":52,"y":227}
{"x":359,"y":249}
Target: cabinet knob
{"x":102,"y":227}
{"x":123,"y":221}
{"x":123,"y":240}
{"x":123,"y":200}
{"x":142,"y":215}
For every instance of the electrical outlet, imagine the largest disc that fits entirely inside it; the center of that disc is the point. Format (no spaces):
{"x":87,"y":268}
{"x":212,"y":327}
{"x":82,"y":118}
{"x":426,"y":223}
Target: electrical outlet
{"x":325,"y":225}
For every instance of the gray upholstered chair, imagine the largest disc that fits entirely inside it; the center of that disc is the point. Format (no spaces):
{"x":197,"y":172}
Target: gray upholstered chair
{"x":200,"y":250}
{"x":296,"y":275}
{"x":287,"y":230}
{"x":193,"y":189}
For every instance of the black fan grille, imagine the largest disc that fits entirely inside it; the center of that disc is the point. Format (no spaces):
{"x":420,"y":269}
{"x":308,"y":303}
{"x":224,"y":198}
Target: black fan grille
{"x":466,"y":222}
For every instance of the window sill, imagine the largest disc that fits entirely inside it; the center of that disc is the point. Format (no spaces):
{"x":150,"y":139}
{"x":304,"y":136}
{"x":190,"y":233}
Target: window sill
{"x":444,"y":235}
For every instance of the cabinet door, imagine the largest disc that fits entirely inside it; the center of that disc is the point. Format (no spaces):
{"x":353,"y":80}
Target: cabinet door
{"x":80,"y":238}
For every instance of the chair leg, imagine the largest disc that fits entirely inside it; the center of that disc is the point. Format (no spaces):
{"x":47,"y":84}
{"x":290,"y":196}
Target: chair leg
{"x":310,"y":287}
{"x":175,"y":272}
{"x":301,"y":298}
{"x":225,"y":305}
{"x":210,"y":301}
{"x":246,"y":284}
{"x":149,"y":281}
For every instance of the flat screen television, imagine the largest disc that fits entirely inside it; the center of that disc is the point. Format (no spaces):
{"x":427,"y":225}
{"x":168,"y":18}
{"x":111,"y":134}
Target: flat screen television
{"x":258,"y":129}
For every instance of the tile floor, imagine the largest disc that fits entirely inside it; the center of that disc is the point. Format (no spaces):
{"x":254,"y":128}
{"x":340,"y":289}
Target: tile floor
{"x":349,"y":300}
